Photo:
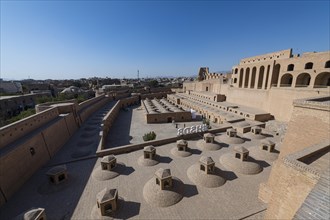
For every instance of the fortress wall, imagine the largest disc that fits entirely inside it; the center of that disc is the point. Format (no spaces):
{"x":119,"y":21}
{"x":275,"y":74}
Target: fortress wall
{"x":160,"y":142}
{"x":307,"y":127}
{"x":289,"y":184}
{"x":18,"y":164}
{"x":56,"y":135}
{"x":291,"y":188}
{"x":16,"y":130}
{"x":17,"y":139}
{"x":280,"y":102}
{"x":43,"y":106}
{"x":157,"y":95}
{"x":277,"y":101}
{"x":89,"y":102}
{"x":85,"y":110}
{"x":71,"y":123}
{"x":111,"y":116}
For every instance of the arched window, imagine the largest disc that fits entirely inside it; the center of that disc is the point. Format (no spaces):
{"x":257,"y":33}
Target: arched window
{"x":235,"y":80}
{"x":236,"y":71}
{"x":309,"y":66}
{"x":303,"y":80}
{"x":286,"y":80}
{"x":327,"y":64}
{"x":290,"y":67}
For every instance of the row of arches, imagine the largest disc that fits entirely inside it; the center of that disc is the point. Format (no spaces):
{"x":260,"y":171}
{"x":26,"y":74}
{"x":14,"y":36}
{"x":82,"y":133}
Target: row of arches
{"x":252,"y":79}
{"x":258,"y":81}
{"x":304,"y":80}
{"x":290,"y":67}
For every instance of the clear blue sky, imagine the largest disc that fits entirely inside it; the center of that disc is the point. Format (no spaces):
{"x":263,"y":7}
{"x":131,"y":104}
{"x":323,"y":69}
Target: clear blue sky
{"x":76,"y":39}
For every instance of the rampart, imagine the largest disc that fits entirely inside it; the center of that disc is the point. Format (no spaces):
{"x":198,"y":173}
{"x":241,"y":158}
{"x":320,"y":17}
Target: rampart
{"x":133,"y":147}
{"x":301,"y":160}
{"x":28,"y":144}
{"x":111,"y":116}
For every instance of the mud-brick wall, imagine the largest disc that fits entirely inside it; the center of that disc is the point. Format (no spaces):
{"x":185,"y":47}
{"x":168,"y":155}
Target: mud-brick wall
{"x":90,"y":106}
{"x":287,"y":187}
{"x":291,"y":189}
{"x":22,"y":158}
{"x":16,"y":130}
{"x":18,"y":164}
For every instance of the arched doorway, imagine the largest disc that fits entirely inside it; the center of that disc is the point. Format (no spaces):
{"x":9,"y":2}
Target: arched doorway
{"x":261,"y":77}
{"x":275,"y":75}
{"x":286,"y":80}
{"x":241,"y":78}
{"x":303,"y":80}
{"x":267,"y":76}
{"x":322,"y":80}
{"x":253,"y":77}
{"x":247,"y":75}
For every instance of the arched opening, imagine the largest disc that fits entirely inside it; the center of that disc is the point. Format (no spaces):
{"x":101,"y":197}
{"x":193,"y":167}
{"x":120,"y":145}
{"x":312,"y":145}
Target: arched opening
{"x":309,"y":66}
{"x":240,"y":78}
{"x":253,"y":77}
{"x":322,"y":80}
{"x":303,"y":80}
{"x":290,"y":67}
{"x":286,"y":80}
{"x":267,"y":76}
{"x":275,"y":75}
{"x":247,"y":75}
{"x":261,"y":76}
{"x":207,"y":88}
{"x":327,"y":64}
{"x":236,"y":71}
{"x":235,"y":80}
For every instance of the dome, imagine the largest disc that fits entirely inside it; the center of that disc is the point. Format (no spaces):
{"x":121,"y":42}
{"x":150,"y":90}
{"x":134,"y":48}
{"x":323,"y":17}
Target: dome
{"x":163,"y":173}
{"x":106,"y":195}
{"x":206,"y":160}
{"x":149,"y":148}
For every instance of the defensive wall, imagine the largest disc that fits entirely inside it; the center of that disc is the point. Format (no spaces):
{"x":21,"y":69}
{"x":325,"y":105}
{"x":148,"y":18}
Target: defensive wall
{"x":271,"y":82}
{"x":302,"y":160}
{"x":276,"y":100}
{"x":28,"y":144}
{"x":111,"y":116}
{"x":133,"y":147}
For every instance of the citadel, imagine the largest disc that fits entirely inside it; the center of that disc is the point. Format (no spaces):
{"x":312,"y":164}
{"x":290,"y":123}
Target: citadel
{"x":252,"y":144}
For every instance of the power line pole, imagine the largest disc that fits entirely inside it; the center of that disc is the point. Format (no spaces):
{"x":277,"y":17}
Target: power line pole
{"x":138,"y":74}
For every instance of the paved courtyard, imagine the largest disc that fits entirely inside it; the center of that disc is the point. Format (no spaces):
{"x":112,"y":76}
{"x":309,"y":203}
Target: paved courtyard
{"x":131,"y":125}
{"x":75,"y":199}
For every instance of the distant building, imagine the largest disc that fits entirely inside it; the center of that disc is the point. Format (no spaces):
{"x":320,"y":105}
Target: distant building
{"x":10,"y":87}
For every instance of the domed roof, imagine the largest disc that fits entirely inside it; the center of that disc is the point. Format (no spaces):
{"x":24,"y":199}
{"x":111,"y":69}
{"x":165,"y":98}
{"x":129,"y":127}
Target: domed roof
{"x":232,"y":129}
{"x":33,"y":213}
{"x":56,"y":170}
{"x":208,"y":135}
{"x":267,"y":142}
{"x":108,"y":158}
{"x":106,"y":195}
{"x":163,"y":173}
{"x":206,"y":160}
{"x":149,"y":148}
{"x":181,"y":142}
{"x":240,"y":149}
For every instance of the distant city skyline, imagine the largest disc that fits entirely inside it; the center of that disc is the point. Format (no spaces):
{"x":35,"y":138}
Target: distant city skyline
{"x":83,"y":39}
